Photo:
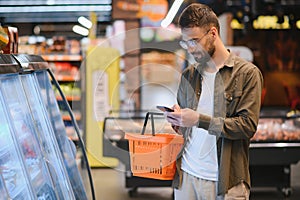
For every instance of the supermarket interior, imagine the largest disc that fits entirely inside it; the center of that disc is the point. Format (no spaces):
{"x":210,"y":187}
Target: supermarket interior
{"x":80,"y":80}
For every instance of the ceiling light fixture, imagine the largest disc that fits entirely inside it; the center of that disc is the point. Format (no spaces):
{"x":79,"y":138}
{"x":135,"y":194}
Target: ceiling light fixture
{"x":85,"y":22}
{"x":54,"y":8}
{"x":171,"y":14}
{"x":80,"y":30}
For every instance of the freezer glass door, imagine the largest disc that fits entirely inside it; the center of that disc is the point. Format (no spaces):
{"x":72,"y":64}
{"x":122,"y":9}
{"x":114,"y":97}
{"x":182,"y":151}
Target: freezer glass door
{"x":3,"y":192}
{"x":47,"y":138}
{"x":26,"y":134}
{"x":13,"y":176}
{"x":66,"y":146}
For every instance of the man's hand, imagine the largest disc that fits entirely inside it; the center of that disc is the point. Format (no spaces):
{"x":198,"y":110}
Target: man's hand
{"x":182,"y":117}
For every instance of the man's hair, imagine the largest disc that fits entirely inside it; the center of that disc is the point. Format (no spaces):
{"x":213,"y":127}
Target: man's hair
{"x":198,"y":15}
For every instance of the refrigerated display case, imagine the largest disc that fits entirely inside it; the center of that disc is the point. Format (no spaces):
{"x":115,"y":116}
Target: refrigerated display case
{"x":11,"y":163}
{"x":37,"y":160}
{"x":3,"y":192}
{"x":274,"y":149}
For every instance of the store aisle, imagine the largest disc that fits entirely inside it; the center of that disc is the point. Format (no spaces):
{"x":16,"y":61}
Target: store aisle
{"x":110,"y":185}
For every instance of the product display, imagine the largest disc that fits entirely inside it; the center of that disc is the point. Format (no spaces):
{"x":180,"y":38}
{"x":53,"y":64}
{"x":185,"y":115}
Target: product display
{"x":66,"y":69}
{"x":37,"y":160}
{"x":64,"y":58}
{"x":274,"y":148}
{"x":55,"y":46}
{"x":277,"y":130}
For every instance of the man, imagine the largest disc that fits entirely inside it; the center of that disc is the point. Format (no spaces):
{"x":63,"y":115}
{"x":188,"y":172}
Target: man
{"x":217,"y":112}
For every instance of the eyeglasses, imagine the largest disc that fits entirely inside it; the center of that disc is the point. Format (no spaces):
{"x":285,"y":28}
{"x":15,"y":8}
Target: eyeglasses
{"x":193,"y":42}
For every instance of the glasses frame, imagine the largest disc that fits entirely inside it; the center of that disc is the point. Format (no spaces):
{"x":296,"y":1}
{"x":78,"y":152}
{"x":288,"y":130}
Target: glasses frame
{"x":192,"y":43}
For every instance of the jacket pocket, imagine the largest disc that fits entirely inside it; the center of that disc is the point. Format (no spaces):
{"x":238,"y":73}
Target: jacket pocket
{"x":232,"y":101}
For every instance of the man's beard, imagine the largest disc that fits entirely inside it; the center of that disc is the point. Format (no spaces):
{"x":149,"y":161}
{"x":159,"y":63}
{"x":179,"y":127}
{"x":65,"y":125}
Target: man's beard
{"x":206,"y":56}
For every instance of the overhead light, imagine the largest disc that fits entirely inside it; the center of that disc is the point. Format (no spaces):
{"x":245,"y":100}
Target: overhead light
{"x":56,"y":2}
{"x":80,"y":30}
{"x":54,"y":8}
{"x":85,"y":22}
{"x":171,"y":14}
{"x":50,"y":2}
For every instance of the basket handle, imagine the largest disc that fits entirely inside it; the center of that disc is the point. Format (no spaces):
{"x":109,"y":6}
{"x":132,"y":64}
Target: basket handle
{"x":152,"y":121}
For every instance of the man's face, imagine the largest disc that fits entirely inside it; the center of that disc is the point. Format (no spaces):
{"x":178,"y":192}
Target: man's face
{"x":198,"y":43}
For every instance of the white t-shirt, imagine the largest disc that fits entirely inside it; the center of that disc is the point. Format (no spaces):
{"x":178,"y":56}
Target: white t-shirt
{"x":200,"y":153}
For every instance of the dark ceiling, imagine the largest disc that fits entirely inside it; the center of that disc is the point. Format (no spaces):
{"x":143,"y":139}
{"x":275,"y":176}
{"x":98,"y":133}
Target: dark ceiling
{"x":53,"y":17}
{"x":20,"y":11}
{"x":36,"y":11}
{"x":60,"y":15}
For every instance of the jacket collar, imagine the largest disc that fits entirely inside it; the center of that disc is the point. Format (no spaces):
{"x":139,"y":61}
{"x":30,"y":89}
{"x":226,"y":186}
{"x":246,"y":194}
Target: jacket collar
{"x":230,"y":61}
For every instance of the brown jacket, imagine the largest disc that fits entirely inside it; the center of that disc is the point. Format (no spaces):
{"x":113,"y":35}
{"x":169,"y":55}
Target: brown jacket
{"x":237,"y":99}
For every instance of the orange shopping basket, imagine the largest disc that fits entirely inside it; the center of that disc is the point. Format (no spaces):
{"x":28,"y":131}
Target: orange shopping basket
{"x":154,"y":155}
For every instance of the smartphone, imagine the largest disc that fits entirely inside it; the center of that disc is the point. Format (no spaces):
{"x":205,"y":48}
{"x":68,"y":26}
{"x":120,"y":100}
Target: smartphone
{"x":165,"y":109}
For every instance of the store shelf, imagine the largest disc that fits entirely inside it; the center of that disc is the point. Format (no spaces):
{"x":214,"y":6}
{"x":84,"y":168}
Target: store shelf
{"x":69,"y":98}
{"x":68,"y":118}
{"x":63,"y":78}
{"x":66,"y":71}
{"x":62,"y":57}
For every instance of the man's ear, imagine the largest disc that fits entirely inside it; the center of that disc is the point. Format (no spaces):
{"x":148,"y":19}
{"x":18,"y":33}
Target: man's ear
{"x":214,"y":32}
